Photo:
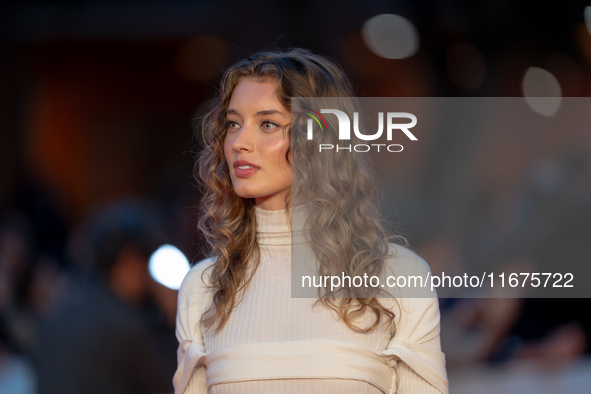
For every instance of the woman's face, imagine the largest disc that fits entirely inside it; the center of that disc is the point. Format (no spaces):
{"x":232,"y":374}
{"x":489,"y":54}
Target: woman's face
{"x":256,"y":144}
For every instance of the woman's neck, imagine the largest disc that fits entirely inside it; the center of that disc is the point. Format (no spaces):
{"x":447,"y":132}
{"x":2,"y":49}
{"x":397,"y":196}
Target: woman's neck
{"x":280,"y":226}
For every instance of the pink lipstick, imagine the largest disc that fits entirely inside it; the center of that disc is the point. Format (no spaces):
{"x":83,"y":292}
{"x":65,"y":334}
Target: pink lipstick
{"x":244,"y":169}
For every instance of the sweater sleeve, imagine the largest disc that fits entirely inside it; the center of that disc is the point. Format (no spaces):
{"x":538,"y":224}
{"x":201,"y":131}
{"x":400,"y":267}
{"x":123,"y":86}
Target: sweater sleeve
{"x":415,"y":349}
{"x":189,"y":377}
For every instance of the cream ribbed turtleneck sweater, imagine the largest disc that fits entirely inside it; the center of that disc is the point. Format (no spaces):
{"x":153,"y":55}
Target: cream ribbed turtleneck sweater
{"x":273,"y":343}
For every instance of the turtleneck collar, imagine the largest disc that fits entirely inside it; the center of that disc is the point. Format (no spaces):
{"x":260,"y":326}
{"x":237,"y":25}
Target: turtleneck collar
{"x":274,"y":228}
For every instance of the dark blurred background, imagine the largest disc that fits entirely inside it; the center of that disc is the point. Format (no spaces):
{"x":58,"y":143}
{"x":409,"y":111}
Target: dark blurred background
{"x":97,"y":101}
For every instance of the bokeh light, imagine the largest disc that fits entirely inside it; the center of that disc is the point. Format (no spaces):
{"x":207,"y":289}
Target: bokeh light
{"x":390,"y":36}
{"x":169,"y":266}
{"x":542,"y":91}
{"x":588,"y":18}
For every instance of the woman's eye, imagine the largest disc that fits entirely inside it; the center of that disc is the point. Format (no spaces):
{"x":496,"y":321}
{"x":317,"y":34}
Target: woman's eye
{"x":233,"y":125}
{"x":269,"y":125}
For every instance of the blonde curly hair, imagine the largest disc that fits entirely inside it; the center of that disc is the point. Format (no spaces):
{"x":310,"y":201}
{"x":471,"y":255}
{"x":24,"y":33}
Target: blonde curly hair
{"x":346,"y":233}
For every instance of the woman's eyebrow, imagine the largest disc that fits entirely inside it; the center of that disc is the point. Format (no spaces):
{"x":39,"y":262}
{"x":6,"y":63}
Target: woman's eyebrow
{"x":270,"y":112}
{"x":267,"y":112}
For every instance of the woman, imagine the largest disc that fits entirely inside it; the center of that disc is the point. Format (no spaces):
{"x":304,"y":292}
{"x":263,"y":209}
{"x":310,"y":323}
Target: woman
{"x":238,"y":327}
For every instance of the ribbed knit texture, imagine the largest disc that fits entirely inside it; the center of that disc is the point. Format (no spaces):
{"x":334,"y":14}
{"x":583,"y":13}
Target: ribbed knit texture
{"x":267,"y":313}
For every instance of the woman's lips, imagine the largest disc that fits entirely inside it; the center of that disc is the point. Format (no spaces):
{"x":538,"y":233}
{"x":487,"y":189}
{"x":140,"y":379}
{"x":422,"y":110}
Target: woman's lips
{"x":244,"y":169}
{"x":245,"y":172}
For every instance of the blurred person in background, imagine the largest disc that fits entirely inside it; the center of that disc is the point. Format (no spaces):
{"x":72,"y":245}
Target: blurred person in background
{"x":99,"y":340}
{"x":553,"y":212}
{"x":17,"y":375}
{"x":16,"y":323}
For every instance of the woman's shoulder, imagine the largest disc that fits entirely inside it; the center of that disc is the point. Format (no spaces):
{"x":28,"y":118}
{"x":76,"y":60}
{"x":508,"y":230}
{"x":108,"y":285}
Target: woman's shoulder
{"x":402,"y":259}
{"x":198,"y":277}
{"x":407,"y":274}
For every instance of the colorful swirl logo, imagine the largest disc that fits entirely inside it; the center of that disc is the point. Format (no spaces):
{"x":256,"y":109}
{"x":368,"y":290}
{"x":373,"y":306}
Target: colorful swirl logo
{"x":315,"y":115}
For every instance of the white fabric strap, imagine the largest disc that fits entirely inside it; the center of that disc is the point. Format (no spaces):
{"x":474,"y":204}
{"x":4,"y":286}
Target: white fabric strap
{"x":191,"y":354}
{"x":426,"y":361}
{"x":311,"y":359}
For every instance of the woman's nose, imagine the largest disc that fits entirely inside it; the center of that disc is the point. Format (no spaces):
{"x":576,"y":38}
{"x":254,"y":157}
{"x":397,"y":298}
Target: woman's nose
{"x":243,"y":141}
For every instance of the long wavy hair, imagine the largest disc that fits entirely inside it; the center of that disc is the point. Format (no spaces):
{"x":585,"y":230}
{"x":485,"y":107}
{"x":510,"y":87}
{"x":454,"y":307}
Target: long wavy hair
{"x":345,"y":231}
